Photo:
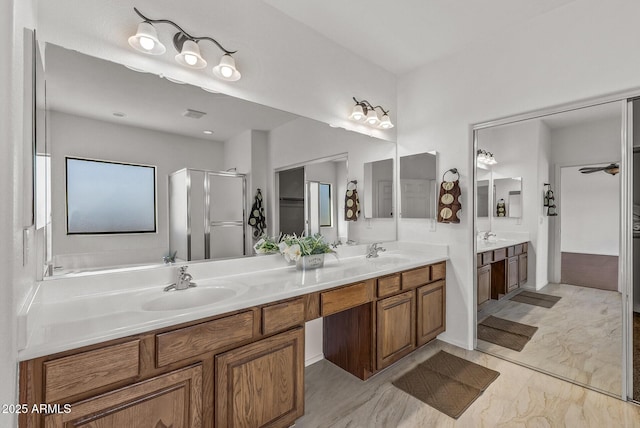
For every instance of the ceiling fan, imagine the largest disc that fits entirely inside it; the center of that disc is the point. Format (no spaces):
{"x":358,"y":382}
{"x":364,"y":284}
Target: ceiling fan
{"x":612,"y":168}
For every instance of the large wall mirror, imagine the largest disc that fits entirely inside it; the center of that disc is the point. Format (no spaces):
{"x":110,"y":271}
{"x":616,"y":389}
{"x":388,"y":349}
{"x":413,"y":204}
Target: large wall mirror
{"x":573,"y":309}
{"x":207,"y":154}
{"x":418,"y":185}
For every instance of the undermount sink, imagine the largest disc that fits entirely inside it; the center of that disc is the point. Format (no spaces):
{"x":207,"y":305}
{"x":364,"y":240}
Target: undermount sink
{"x":385,"y":260}
{"x":191,"y":298}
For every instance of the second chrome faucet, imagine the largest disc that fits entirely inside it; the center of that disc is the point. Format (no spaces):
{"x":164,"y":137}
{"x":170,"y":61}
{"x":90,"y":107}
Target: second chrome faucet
{"x":183,"y":280}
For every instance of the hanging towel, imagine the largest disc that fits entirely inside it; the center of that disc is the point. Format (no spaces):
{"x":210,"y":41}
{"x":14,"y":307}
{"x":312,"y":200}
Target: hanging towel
{"x":257,"y":218}
{"x":449,"y":202}
{"x":351,"y":202}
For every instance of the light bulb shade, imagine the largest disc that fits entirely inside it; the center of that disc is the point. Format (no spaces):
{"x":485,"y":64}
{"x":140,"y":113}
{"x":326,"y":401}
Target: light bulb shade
{"x":357,"y":113}
{"x":146,"y":40}
{"x":227,"y":70}
{"x":190,"y":56}
{"x":372,"y":118}
{"x":385,"y":122}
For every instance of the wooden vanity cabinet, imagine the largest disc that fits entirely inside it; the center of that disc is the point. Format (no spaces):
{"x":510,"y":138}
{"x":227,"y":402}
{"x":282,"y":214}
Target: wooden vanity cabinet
{"x":512,"y":274}
{"x":484,"y":284}
{"x":395,"y":328}
{"x":170,"y":400}
{"x":261,"y":384}
{"x":523,"y":261}
{"x":501,"y":271}
{"x":409,"y":312}
{"x":430,"y":311}
{"x":242,"y":368}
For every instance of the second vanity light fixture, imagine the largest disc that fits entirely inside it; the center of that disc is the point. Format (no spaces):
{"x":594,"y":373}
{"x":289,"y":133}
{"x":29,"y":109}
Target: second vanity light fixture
{"x":363,"y":111}
{"x":486,"y":157}
{"x":146,"y":41}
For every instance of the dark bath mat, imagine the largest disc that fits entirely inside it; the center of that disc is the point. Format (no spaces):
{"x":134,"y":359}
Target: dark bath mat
{"x":502,"y":338}
{"x":447,"y":383}
{"x":537,"y":299}
{"x":509,"y":326}
{"x":509,"y":334}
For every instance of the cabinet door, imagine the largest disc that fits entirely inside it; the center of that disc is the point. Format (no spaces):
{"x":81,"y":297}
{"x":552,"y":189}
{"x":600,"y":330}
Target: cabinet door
{"x":512,"y":273}
{"x":484,"y":284}
{"x":261,"y":384}
{"x":395,"y":328}
{"x":523,"y":261}
{"x":430,"y":312}
{"x":170,"y":400}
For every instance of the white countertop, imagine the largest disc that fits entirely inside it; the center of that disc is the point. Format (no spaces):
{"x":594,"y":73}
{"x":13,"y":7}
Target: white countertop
{"x":483,"y":246}
{"x":71,"y":313}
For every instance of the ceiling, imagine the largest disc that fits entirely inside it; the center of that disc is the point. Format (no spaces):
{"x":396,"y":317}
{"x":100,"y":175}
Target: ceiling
{"x":400,"y":36}
{"x":90,"y":87}
{"x":612,"y":110}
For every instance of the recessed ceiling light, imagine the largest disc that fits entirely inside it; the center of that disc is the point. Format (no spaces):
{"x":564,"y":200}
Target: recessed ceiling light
{"x":208,"y":132}
{"x":119,"y":114}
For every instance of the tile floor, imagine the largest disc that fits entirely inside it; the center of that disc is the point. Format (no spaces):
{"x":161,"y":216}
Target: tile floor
{"x":580,"y":338}
{"x":520,"y":397}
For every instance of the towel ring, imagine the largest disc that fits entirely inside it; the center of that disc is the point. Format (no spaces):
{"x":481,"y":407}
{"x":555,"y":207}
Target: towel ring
{"x":452,"y":171}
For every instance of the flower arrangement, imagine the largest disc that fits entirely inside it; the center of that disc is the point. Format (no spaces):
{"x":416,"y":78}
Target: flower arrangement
{"x":293,"y":247}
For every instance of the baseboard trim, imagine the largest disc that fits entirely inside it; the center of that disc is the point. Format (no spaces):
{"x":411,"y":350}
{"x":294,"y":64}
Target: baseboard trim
{"x":314,"y":359}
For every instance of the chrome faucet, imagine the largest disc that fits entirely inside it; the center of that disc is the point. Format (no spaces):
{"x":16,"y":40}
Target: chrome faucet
{"x":374,"y":250}
{"x":487,"y":235}
{"x":183,"y":280}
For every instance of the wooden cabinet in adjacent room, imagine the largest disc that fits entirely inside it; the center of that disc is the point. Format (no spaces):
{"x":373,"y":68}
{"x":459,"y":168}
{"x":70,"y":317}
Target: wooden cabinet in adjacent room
{"x":512,"y":273}
{"x":430,"y":312}
{"x":523,"y":261}
{"x":261,"y":384}
{"x":484,"y":284}
{"x":396,"y":328}
{"x":171,"y":400}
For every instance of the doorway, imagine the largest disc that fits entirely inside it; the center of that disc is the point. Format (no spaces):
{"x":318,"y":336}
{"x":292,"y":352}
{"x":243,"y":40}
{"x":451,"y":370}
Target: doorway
{"x":578,"y":338}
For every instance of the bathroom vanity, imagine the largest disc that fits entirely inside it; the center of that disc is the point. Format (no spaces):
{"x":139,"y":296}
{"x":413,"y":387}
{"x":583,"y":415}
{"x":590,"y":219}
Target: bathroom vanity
{"x":502,"y":268}
{"x":235,"y":364}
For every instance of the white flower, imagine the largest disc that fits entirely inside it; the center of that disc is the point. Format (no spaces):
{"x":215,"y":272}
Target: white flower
{"x":292,"y":253}
{"x":283,"y":247}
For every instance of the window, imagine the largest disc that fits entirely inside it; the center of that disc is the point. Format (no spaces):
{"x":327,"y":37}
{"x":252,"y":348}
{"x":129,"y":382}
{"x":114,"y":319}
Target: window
{"x":325,"y":205}
{"x":109,"y":197}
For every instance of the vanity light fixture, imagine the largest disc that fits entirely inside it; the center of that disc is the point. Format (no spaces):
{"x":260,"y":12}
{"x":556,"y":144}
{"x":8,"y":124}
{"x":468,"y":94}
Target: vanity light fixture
{"x":146,"y":41}
{"x":363,"y":111}
{"x":485,"y":157}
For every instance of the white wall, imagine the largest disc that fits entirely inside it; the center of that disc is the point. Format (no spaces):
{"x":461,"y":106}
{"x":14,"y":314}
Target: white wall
{"x":16,"y":278}
{"x":77,"y":136}
{"x":543,"y":250}
{"x":586,"y":143}
{"x":555,"y":58}
{"x":322,"y":141}
{"x":590,"y":215}
{"x":516,"y":148}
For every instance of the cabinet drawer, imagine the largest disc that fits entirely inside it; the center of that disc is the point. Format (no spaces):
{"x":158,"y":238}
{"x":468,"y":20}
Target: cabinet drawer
{"x":438,"y":271}
{"x":499,"y":254}
{"x":347,"y":297}
{"x":388,"y":285}
{"x":68,"y":376}
{"x":282,"y":316}
{"x":487,"y":257}
{"x":525,"y":247}
{"x":511,"y":251}
{"x":518,"y":249}
{"x":206,"y":337}
{"x":415,"y":277}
